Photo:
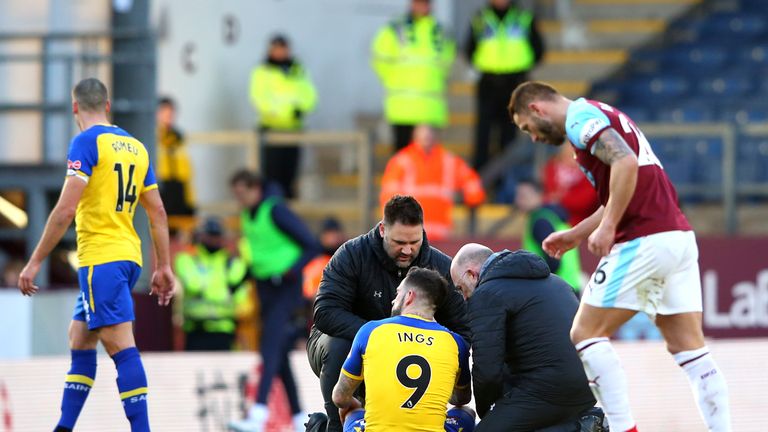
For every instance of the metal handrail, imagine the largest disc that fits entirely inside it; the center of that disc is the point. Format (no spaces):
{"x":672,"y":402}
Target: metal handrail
{"x":727,"y":133}
{"x":63,"y":35}
{"x":255,"y":142}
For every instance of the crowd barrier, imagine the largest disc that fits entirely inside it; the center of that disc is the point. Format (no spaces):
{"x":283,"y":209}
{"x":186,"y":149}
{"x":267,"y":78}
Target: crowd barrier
{"x":201,"y":392}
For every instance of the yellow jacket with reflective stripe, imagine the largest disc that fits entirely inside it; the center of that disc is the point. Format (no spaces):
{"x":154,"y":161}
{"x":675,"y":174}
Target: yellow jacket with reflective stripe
{"x":277,"y":93}
{"x":503,"y":44}
{"x":206,"y":278}
{"x":413,"y":58}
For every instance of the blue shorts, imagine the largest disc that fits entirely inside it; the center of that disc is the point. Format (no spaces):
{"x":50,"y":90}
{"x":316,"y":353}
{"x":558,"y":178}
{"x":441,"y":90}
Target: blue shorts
{"x":105,"y":293}
{"x":457,"y":420}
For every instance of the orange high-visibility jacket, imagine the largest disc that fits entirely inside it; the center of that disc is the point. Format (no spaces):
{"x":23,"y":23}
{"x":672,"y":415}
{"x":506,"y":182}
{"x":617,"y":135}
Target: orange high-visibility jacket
{"x":313,"y":273}
{"x":433,"y":179}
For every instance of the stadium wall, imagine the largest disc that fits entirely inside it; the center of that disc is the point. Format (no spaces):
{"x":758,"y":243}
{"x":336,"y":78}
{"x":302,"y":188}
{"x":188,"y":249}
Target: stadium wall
{"x":207,"y":68}
{"x":20,"y":83}
{"x":734,"y":284}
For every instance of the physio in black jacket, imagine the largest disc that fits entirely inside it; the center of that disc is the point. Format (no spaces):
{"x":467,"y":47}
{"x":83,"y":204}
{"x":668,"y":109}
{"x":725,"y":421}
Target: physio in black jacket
{"x":359,"y":284}
{"x":523,"y":359}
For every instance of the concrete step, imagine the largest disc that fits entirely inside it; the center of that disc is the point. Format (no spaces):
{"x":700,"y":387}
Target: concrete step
{"x":621,"y":9}
{"x":600,"y":34}
{"x":463,"y":149}
{"x":583,"y":65}
{"x":567,"y":87}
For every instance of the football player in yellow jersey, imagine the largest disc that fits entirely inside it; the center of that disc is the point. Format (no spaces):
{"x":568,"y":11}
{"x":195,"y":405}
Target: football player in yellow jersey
{"x":412,"y":367}
{"x":108,"y":171}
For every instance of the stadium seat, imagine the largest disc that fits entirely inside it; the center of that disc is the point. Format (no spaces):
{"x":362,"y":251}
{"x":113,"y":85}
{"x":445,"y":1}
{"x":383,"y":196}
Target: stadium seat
{"x":675,"y":156}
{"x":680,"y":171}
{"x":732,"y":27}
{"x":726,"y":86}
{"x":662,"y":87}
{"x":744,"y":115}
{"x":638,"y":114}
{"x":707,"y":57}
{"x":710,"y":66}
{"x":751,"y":159}
{"x":706,"y":147}
{"x":708,"y":166}
{"x":752,"y":56}
{"x":696,"y":112}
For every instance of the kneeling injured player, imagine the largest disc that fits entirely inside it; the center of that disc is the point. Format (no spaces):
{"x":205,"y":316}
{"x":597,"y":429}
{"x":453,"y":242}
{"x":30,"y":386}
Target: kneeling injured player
{"x":412,"y":367}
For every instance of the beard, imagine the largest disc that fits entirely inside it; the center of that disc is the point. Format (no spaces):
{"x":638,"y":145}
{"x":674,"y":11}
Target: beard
{"x":549,"y":133}
{"x":404,"y":264}
{"x":398,"y":308}
{"x":401,"y":261}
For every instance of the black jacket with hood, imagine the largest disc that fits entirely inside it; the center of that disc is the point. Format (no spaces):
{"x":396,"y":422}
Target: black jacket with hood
{"x":520,"y":316}
{"x":361,"y":280}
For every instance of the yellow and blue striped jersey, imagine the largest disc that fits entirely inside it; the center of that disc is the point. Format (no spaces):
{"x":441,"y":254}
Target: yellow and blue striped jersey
{"x":116,"y":167}
{"x":410,"y":367}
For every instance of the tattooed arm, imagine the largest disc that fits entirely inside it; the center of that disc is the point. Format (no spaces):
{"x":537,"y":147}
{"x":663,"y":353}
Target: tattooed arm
{"x":612,"y":150}
{"x":343,"y":395}
{"x":343,"y":391}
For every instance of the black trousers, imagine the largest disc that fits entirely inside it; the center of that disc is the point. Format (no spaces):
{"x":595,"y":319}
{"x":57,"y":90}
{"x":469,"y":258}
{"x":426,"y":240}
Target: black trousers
{"x":519,"y":411}
{"x":278,"y":303}
{"x":493,"y":93}
{"x":207,"y":341}
{"x":403,"y":135}
{"x":326,"y":357}
{"x":280,"y":164}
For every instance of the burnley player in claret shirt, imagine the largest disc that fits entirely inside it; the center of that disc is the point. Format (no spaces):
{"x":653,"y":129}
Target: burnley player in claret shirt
{"x":648,"y":252}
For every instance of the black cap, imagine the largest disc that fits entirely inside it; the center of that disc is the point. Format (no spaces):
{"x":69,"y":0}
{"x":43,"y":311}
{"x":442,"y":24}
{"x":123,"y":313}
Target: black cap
{"x":279,"y":39}
{"x":212,"y":226}
{"x":330,"y":224}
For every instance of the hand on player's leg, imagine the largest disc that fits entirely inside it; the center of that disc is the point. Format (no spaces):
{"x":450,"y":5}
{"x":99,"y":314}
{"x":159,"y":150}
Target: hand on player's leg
{"x":354,"y":406}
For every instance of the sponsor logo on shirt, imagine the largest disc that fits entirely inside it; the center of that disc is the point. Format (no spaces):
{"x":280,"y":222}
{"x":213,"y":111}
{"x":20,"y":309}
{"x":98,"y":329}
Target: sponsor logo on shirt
{"x":74,"y":165}
{"x":590,"y":129}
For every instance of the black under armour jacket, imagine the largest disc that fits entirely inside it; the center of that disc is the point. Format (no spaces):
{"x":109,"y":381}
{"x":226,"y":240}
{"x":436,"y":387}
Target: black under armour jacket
{"x":521,"y":317}
{"x":361,"y":280}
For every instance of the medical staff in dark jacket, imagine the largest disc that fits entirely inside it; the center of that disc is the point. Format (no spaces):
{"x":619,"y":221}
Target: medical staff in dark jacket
{"x":524,"y":362}
{"x":359,"y":284}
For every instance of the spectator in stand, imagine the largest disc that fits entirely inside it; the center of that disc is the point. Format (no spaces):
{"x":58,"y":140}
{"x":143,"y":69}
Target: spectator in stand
{"x":503,"y":45}
{"x":412,"y":55}
{"x":331,"y":237}
{"x":174,"y":168}
{"x":11,"y":273}
{"x":212,"y":282}
{"x":565,"y":184}
{"x":282,"y":94}
{"x":432,"y":175}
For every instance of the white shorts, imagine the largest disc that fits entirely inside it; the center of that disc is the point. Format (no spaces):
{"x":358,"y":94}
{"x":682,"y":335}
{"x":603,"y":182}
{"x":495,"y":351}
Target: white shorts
{"x":655,"y":274}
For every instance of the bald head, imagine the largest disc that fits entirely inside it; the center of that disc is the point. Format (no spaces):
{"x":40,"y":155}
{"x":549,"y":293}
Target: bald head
{"x":466,"y":265}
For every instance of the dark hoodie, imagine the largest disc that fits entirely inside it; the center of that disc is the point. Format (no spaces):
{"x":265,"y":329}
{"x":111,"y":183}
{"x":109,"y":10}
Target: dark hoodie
{"x":520,"y":316}
{"x":361,"y":280}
